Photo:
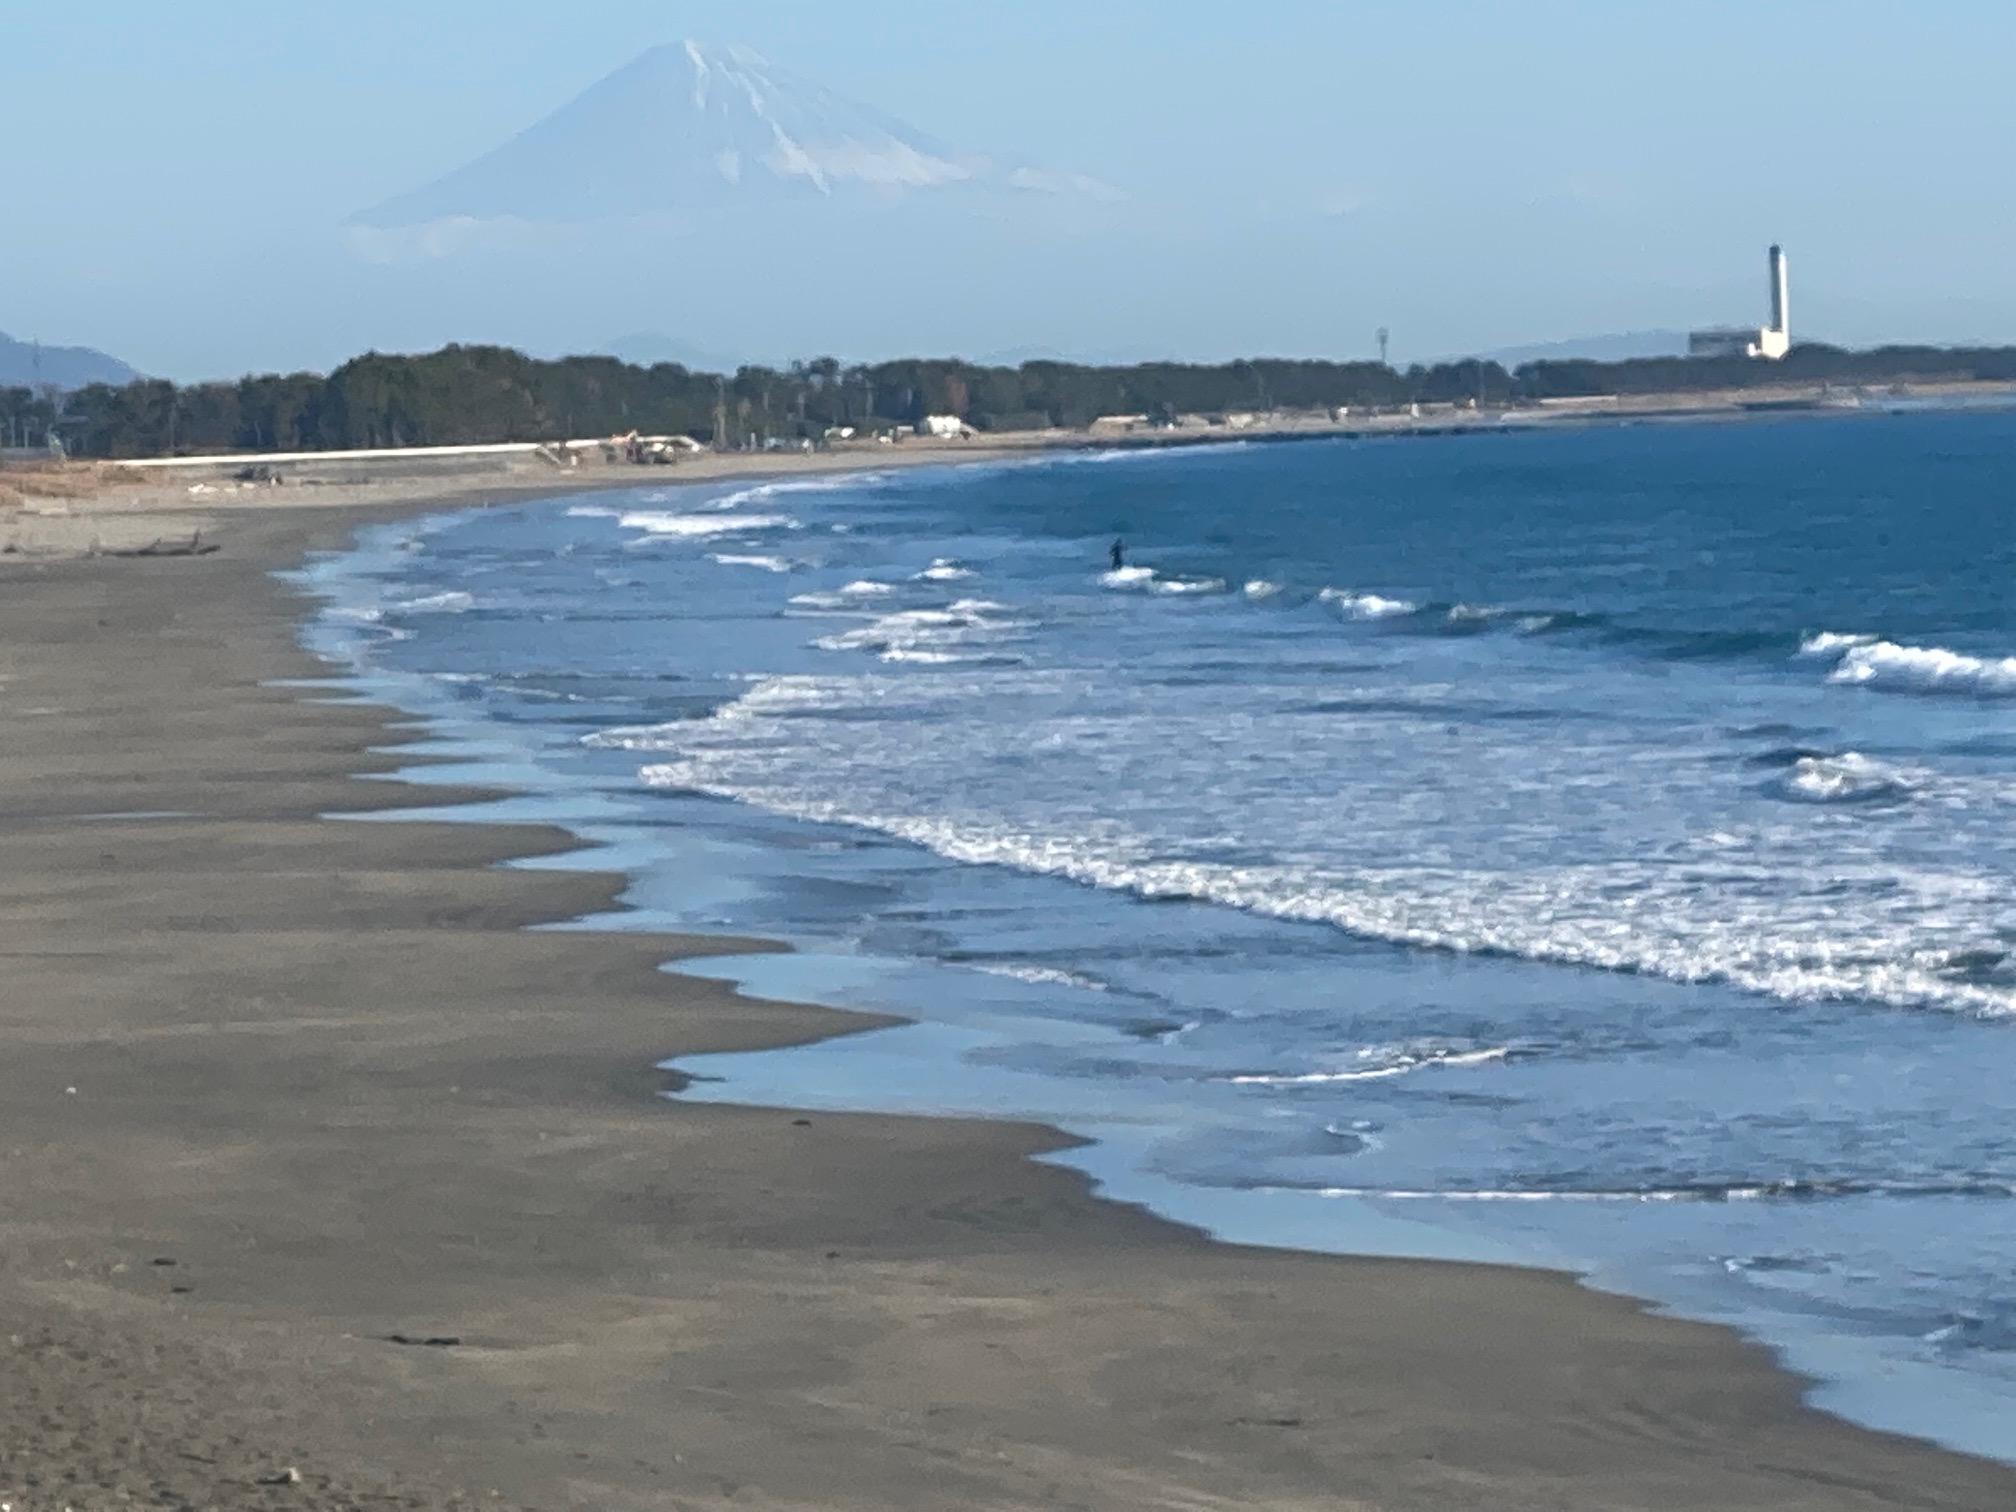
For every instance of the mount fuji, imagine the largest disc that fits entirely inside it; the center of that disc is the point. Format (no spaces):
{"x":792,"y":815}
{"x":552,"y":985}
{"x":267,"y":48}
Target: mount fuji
{"x":685,"y":130}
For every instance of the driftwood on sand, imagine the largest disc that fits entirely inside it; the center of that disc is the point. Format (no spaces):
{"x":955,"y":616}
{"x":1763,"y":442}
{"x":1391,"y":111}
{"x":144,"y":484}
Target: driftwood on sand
{"x":160,"y":546}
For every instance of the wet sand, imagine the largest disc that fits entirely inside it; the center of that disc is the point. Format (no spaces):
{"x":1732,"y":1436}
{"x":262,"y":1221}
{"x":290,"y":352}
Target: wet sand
{"x":316,"y":1161}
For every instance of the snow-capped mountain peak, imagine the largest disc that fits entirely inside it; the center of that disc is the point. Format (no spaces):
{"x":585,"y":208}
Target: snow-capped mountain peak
{"x":686,"y":128}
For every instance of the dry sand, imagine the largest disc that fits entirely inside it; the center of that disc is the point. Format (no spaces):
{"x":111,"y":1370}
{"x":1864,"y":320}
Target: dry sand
{"x":99,"y":509}
{"x":279,"y":1092}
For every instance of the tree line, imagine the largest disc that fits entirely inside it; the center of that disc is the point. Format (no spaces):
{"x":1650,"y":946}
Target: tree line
{"x":470,"y":395}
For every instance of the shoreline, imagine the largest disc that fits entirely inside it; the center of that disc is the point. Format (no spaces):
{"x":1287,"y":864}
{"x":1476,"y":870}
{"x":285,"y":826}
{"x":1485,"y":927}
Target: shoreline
{"x":326,"y":1070}
{"x":126,"y":508}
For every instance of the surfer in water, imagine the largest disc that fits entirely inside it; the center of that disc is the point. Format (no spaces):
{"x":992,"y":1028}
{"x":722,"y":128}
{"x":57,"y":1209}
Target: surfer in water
{"x":1119,"y":554}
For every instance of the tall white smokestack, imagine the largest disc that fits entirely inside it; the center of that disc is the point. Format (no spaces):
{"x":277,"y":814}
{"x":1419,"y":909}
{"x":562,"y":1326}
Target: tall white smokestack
{"x":1781,"y":315}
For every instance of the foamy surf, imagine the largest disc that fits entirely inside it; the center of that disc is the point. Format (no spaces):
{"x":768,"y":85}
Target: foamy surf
{"x":1758,"y":929}
{"x":1365,"y":606}
{"x":760,"y":493}
{"x":1135,"y":579}
{"x":1039,"y":976}
{"x":1925,"y":669}
{"x":1377,"y":1063}
{"x":654,"y":522}
{"x":1148,"y":580}
{"x":968,"y":631}
{"x":452,"y":601}
{"x":1850,"y":777}
{"x":766,"y":563}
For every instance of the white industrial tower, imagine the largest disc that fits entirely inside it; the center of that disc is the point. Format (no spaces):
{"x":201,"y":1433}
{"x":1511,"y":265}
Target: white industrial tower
{"x":1772,"y":341}
{"x":1775,"y":340}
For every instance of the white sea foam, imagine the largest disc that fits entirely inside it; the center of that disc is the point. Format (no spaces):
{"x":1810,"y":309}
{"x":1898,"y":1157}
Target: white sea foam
{"x":767,"y":563}
{"x":945,"y":570}
{"x":1756,"y":910}
{"x":1364,"y":606}
{"x":1260,"y":588}
{"x":1040,"y":976}
{"x":591,"y":512}
{"x":1405,"y":1194}
{"x":453,"y":601}
{"x":923,"y":656}
{"x":1925,"y":669}
{"x":852,"y":599}
{"x":1148,"y":580}
{"x":660,"y":523}
{"x":1833,"y":643}
{"x":760,"y":493}
{"x":658,"y":737}
{"x":1850,"y":777}
{"x":1377,"y":1063}
{"x":968,"y":631}
{"x":890,"y":628}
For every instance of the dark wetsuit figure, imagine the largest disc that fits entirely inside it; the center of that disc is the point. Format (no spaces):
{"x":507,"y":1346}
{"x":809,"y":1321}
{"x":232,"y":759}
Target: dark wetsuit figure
{"x":1119,"y":555}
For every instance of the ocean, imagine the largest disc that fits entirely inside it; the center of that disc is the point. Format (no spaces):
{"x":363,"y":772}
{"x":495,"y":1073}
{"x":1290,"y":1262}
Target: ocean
{"x":1587,"y":848}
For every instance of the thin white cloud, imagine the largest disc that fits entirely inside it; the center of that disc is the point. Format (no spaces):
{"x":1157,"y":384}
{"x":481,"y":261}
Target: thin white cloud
{"x":1340,"y":202}
{"x":1037,"y":181}
{"x":453,"y":235}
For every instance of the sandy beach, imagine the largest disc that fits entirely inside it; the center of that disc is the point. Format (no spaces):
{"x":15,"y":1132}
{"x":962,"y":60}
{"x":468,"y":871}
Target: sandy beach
{"x":328,"y":1185}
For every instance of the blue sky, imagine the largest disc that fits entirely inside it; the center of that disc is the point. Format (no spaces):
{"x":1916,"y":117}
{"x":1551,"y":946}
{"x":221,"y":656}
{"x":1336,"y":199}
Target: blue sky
{"x":1297,"y":173}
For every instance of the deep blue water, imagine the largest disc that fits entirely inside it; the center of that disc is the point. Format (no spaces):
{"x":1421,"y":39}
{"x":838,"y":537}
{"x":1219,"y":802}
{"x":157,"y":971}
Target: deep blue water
{"x":1588,"y":848}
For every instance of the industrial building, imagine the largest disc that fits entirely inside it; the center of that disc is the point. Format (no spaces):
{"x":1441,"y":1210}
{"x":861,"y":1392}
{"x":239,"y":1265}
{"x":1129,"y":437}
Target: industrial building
{"x":1772,"y":341}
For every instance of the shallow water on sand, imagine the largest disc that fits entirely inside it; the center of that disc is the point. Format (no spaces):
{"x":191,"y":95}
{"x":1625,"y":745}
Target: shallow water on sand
{"x":1589,"y":849}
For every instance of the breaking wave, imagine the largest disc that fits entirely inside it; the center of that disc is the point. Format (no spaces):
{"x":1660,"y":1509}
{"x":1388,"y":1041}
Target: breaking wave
{"x":1741,"y":911}
{"x":656,"y":522}
{"x":767,"y":563}
{"x":1870,"y":661}
{"x":1365,"y":606}
{"x":1925,"y":669}
{"x":453,"y":601}
{"x":1850,"y":777}
{"x":763,"y":492}
{"x":1134,"y":578}
{"x":968,"y":632}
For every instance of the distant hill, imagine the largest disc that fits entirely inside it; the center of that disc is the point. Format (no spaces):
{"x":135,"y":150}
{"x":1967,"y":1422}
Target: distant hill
{"x":1619,"y":348}
{"x":23,"y":364}
{"x":649,"y":348}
